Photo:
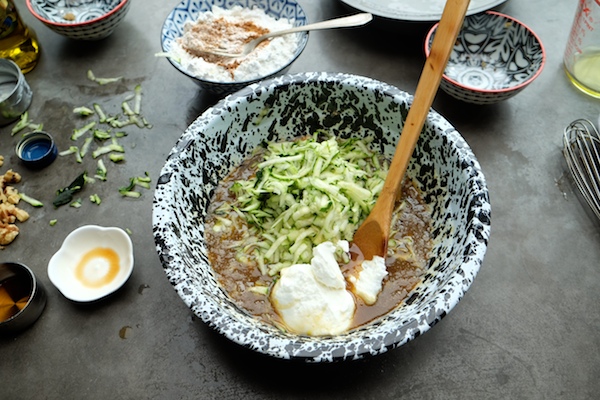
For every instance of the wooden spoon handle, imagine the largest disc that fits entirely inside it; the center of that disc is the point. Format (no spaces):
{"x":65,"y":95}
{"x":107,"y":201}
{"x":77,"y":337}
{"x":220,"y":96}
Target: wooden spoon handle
{"x":443,"y":42}
{"x":431,"y":76}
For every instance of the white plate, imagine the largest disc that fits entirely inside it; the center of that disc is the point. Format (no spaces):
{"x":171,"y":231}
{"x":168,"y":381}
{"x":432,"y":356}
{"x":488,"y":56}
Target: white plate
{"x":415,"y":10}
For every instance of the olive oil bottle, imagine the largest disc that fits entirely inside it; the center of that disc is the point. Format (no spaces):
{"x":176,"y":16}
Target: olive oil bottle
{"x":18,"y":42}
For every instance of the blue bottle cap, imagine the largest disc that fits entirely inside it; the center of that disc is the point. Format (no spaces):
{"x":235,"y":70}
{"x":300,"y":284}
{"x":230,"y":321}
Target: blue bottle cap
{"x":37,"y":150}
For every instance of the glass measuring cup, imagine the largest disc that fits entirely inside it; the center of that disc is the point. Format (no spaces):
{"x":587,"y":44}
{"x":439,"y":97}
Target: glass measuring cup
{"x":582,"y":55}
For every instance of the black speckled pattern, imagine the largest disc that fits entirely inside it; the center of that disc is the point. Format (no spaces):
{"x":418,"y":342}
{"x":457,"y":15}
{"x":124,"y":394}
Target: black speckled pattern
{"x":289,"y":106}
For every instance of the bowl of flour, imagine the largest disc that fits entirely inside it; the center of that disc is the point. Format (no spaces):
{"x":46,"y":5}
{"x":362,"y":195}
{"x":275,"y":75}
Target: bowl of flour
{"x":196,"y":24}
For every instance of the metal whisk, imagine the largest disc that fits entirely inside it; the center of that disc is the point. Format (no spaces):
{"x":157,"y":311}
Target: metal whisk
{"x":582,"y":152}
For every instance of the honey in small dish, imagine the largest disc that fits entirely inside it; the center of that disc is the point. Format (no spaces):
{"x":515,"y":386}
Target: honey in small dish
{"x":92,"y":262}
{"x":97,"y":267}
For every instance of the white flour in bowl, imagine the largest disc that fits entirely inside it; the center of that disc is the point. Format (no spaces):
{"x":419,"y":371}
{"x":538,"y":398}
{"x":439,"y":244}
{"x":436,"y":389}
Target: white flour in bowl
{"x":229,"y":28}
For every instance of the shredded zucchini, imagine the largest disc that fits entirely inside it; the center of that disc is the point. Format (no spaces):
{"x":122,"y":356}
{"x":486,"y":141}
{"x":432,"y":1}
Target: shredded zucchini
{"x":304,"y":193}
{"x":113,"y":146}
{"x":101,"y":81}
{"x":142,"y":181}
{"x":76,"y":203}
{"x":30,"y":200}
{"x":77,"y":133}
{"x":22,"y":124}
{"x":101,"y":170}
{"x":94,"y":198}
{"x":83,"y":111}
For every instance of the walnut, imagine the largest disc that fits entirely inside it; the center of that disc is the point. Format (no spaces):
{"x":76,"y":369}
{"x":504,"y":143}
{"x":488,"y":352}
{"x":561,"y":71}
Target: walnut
{"x":7,"y":215}
{"x":12,"y":195}
{"x":8,"y":233}
{"x":11,"y":177}
{"x":9,"y":212}
{"x":21,"y":215}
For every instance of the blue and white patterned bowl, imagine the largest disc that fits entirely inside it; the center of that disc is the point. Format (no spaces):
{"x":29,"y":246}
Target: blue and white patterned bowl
{"x":291,"y":106}
{"x":495,"y":57}
{"x":80,"y":19}
{"x":189,"y":10}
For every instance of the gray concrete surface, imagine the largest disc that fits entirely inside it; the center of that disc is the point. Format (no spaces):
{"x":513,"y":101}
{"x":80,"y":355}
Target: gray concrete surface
{"x":527,"y":329}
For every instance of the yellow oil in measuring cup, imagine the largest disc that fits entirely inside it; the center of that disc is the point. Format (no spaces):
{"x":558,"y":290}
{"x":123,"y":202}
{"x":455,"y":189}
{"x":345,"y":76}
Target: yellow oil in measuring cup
{"x":582,"y":55}
{"x":586,"y":70}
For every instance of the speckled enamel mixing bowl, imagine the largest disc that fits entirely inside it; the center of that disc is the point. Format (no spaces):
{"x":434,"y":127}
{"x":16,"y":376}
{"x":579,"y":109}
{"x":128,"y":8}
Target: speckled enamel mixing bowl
{"x":290,"y":106}
{"x":189,"y":10}
{"x":494,"y":58}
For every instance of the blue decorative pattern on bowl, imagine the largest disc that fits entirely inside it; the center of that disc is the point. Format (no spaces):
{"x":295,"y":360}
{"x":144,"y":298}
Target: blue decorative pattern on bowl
{"x":495,"y":57}
{"x":80,"y":19}
{"x":189,"y":10}
{"x":291,"y":106}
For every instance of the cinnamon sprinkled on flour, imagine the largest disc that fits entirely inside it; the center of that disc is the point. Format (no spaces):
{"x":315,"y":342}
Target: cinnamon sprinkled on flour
{"x":220,"y":34}
{"x":230,"y":29}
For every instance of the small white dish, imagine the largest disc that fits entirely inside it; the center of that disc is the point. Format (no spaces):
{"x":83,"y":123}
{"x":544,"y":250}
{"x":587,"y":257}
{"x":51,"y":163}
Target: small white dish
{"x":93,"y":262}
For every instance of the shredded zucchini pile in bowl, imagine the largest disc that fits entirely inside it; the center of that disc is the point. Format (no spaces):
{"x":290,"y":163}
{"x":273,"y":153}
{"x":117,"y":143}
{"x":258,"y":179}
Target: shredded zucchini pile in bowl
{"x":304,"y":192}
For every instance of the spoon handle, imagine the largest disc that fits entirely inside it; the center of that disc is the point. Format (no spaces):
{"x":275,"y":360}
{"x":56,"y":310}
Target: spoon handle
{"x":343,"y":22}
{"x":372,"y":236}
{"x":429,"y":82}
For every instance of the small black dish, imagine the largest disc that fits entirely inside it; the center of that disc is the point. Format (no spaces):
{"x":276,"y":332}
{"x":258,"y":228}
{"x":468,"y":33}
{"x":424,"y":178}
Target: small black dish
{"x":37,"y":150}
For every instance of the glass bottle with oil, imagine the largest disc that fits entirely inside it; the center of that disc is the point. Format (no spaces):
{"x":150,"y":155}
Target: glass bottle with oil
{"x":582,"y":56}
{"x":18,"y":42}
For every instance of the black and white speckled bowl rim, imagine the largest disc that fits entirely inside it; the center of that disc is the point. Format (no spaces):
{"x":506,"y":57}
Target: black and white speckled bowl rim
{"x":448,"y":277}
{"x":228,"y":87}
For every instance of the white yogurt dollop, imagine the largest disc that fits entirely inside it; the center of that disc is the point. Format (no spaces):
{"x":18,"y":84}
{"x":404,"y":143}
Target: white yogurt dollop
{"x":312,"y":298}
{"x":369,"y":281}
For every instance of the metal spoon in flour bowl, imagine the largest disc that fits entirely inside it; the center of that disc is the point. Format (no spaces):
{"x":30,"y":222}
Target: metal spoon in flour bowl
{"x":247,"y":48}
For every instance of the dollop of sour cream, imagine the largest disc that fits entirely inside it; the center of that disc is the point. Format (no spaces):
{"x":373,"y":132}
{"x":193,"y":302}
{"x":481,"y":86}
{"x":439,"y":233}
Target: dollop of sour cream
{"x":369,"y":280}
{"x":312,"y":298}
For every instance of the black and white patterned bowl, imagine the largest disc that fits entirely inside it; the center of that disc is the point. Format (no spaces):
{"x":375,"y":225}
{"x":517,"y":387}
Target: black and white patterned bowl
{"x":189,"y":10}
{"x":294,"y":105}
{"x":80,"y":19}
{"x":495,"y":57}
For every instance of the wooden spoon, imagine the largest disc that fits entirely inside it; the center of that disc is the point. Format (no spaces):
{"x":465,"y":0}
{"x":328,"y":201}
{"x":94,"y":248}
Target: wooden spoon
{"x":372,"y":236}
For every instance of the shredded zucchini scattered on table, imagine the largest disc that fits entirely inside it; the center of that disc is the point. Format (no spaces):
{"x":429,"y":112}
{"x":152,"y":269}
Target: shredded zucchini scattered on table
{"x":304,"y":192}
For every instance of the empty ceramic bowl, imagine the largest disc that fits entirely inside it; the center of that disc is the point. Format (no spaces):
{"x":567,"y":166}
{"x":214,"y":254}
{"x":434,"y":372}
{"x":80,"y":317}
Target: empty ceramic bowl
{"x":93,"y":262}
{"x":494,"y":58}
{"x":187,"y":11}
{"x":22,"y":297}
{"x":293,"y":106}
{"x":75,"y":19}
